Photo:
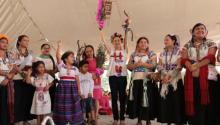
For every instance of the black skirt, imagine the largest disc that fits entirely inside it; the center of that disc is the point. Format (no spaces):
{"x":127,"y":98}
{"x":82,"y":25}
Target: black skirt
{"x":172,"y":108}
{"x":135,"y":108}
{"x":4,"y":119}
{"x":23,"y":94}
{"x":214,"y":106}
{"x":201,"y":111}
{"x":52,"y":91}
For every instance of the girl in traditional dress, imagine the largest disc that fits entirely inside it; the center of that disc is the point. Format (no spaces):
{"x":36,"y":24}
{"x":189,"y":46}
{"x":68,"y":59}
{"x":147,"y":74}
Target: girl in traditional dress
{"x":142,"y":89}
{"x":23,"y":92}
{"x":51,"y":67}
{"x":7,"y":72}
{"x":42,"y":81}
{"x":171,"y":85}
{"x":198,"y":54}
{"x":117,"y":75}
{"x":67,"y":109}
{"x":89,"y":55}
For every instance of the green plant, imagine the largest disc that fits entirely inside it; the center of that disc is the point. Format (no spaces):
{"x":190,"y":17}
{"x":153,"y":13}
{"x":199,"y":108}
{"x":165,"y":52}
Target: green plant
{"x":100,"y":56}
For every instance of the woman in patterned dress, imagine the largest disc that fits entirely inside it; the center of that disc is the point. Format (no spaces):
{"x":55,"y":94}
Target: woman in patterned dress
{"x":7,"y":73}
{"x":142,"y":93}
{"x":23,"y":93}
{"x":171,"y":85}
{"x":197,"y":55}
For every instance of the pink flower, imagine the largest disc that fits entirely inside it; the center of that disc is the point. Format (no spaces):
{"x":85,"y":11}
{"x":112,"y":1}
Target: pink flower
{"x":99,"y":71}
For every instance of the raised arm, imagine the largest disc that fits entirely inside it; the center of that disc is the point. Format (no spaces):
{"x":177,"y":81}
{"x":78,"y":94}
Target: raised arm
{"x":58,"y":53}
{"x":104,"y":41}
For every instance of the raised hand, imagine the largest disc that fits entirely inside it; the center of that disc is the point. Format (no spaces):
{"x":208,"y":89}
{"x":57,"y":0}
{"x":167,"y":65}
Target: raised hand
{"x":59,"y":44}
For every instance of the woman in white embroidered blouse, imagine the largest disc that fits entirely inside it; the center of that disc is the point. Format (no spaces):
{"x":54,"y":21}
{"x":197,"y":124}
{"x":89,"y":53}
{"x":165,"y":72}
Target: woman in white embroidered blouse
{"x":117,"y":74}
{"x":171,"y":85}
{"x":22,"y":57}
{"x":142,"y":93}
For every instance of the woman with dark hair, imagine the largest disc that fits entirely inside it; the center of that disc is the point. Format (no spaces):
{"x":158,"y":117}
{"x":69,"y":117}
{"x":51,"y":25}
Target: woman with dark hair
{"x":117,"y":74}
{"x":67,"y":108}
{"x":198,"y":55}
{"x":171,"y":85}
{"x":51,"y":67}
{"x":23,"y":92}
{"x":7,"y":72}
{"x":142,"y":93}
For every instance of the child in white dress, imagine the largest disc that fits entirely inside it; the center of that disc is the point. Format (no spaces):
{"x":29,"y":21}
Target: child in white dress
{"x":38,"y":77}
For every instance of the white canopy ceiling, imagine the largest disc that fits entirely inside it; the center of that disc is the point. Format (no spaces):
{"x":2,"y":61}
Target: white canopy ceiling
{"x":72,"y":20}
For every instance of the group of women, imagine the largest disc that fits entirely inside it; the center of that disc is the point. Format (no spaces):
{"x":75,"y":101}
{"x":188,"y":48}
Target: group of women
{"x":193,"y":100}
{"x":16,"y":95}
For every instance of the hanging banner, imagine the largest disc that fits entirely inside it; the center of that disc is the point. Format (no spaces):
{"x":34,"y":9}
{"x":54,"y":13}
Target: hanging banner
{"x":103,"y":12}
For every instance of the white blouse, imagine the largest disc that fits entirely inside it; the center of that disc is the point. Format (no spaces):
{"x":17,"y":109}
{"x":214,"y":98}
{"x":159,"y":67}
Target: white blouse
{"x":169,"y":61}
{"x":4,"y":67}
{"x":203,"y":52}
{"x":47,"y":61}
{"x":86,"y":84}
{"x":195,"y":55}
{"x":64,"y":72}
{"x":42,"y":82}
{"x":20,"y":61}
{"x":117,"y":65}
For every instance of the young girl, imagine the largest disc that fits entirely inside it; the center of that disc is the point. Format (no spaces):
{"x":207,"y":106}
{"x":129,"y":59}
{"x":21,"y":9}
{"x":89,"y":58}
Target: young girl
{"x":67,"y":108}
{"x":86,"y":88}
{"x":142,"y":95}
{"x":42,"y":81}
{"x":117,"y":75}
{"x":89,"y":55}
{"x":51,"y":67}
{"x":171,"y":85}
{"x":198,"y":53}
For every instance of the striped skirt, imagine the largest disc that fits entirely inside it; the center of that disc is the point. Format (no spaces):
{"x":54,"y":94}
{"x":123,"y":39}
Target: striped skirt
{"x":67,"y":108}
